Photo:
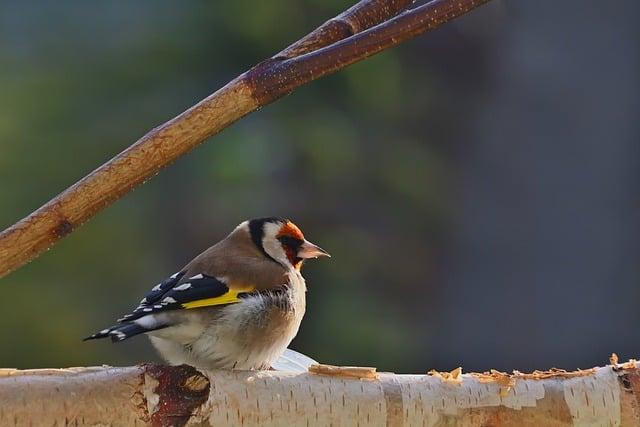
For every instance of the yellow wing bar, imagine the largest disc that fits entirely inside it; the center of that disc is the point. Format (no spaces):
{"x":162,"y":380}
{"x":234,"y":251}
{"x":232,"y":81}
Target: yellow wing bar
{"x":228,"y":298}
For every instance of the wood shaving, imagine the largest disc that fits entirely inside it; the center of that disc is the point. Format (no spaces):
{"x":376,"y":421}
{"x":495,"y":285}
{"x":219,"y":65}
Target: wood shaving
{"x":554,"y":372}
{"x":613,"y":359}
{"x":454,"y":376}
{"x":631,"y":364}
{"x":364,"y":373}
{"x":508,"y":381}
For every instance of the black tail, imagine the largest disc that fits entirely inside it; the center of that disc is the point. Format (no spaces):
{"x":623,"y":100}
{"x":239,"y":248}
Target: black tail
{"x":121,"y":332}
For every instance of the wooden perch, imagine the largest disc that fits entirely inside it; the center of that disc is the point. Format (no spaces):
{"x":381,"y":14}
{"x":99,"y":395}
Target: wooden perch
{"x":367,"y":28}
{"x":180,"y":395}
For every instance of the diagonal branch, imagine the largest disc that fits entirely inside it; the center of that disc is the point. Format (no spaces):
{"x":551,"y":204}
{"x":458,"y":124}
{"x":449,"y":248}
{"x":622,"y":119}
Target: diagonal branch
{"x":275,"y":78}
{"x":364,"y":14}
{"x":363,"y":30}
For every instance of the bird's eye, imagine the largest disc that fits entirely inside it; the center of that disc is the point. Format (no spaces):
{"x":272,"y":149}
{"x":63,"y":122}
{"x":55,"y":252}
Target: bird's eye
{"x":290,"y":242}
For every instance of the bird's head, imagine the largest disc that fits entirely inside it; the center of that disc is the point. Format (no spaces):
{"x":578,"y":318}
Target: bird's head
{"x":282,"y":241}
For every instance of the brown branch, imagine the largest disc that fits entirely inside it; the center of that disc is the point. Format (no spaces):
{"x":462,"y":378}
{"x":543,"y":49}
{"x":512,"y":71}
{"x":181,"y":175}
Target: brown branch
{"x":367,"y":28}
{"x":180,"y":395}
{"x":357,"y":18}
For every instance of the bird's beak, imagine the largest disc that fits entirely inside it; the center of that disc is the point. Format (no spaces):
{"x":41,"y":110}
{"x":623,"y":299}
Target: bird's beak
{"x":309,"y":250}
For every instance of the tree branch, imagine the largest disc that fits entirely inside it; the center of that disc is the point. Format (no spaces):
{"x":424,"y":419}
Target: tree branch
{"x":179,"y":395}
{"x":361,"y":31}
{"x":364,"y":14}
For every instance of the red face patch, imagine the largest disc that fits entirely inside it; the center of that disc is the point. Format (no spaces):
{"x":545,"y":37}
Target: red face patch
{"x":290,"y":232}
{"x":289,"y":229}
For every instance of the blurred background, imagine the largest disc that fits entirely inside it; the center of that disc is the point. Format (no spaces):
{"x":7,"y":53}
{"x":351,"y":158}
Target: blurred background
{"x":477,"y":187}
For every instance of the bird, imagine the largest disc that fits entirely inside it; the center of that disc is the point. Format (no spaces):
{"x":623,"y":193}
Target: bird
{"x":237,"y":305}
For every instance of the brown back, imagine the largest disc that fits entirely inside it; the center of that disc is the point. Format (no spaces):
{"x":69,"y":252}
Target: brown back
{"x":237,"y":259}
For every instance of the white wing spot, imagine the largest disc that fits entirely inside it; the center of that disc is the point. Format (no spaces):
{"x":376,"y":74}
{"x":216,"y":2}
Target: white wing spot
{"x":143,"y":300}
{"x":183,"y":287}
{"x":119,"y":335}
{"x":169,"y":300}
{"x":156,"y":287}
{"x":174,"y":275}
{"x":105,"y":331}
{"x":157,"y":306}
{"x":148,"y":321}
{"x":197,"y":276}
{"x":147,"y":309}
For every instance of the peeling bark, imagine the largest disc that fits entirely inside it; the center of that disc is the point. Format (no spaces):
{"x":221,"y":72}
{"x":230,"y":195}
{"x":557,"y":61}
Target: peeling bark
{"x":180,"y":395}
{"x":364,"y":30}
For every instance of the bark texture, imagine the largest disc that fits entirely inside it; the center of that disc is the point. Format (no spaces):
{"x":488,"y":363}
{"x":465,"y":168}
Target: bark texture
{"x":365,"y":29}
{"x":161,"y":395}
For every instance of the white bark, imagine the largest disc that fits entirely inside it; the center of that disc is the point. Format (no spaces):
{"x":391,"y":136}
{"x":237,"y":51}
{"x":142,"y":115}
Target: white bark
{"x":160,"y":395}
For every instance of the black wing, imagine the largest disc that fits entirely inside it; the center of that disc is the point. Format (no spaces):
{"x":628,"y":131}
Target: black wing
{"x":174,"y":293}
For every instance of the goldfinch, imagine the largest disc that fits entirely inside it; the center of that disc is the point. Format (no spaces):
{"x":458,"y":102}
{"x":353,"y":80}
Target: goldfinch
{"x":237,"y":305}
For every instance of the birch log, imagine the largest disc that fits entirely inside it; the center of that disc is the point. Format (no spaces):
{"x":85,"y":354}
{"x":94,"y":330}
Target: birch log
{"x":180,"y":395}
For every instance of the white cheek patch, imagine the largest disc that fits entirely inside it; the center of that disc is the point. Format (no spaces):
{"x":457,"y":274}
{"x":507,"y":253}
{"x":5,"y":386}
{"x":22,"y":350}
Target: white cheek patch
{"x":272,"y":245}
